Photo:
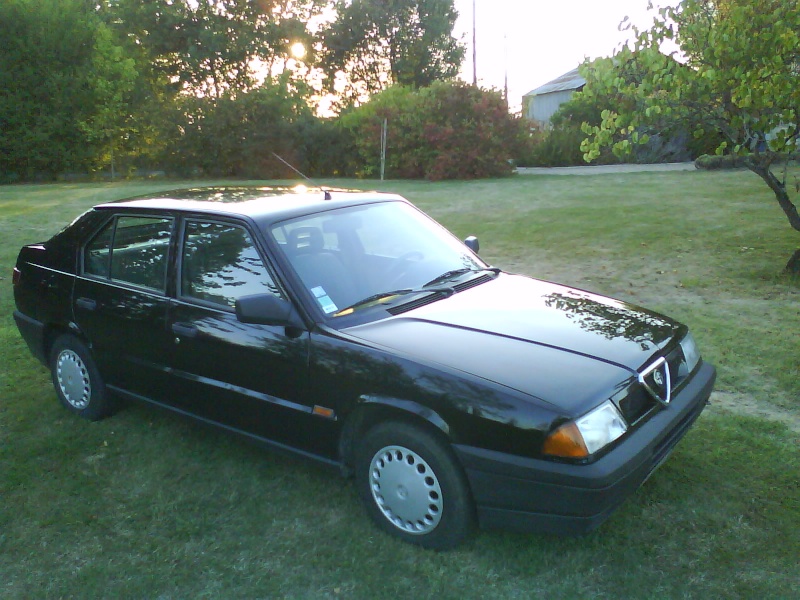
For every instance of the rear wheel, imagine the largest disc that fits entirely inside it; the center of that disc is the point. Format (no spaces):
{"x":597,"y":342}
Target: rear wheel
{"x":413,"y":487}
{"x":77,"y":381}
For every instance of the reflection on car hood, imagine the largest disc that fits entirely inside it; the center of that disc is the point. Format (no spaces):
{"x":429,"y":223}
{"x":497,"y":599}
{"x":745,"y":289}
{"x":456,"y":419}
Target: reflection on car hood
{"x":564,"y":346}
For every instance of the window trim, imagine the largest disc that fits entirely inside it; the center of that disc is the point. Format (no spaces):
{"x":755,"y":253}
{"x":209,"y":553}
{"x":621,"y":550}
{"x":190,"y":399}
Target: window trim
{"x":185,"y":220}
{"x":112,"y":222}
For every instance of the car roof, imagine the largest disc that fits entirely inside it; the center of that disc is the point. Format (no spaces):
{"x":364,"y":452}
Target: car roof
{"x":263,"y":204}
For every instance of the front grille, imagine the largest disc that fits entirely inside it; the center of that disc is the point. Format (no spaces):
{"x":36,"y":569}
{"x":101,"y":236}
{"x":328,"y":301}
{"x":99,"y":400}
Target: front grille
{"x":659,"y":382}
{"x":636,"y":404}
{"x":655,"y":378}
{"x":665,"y":375}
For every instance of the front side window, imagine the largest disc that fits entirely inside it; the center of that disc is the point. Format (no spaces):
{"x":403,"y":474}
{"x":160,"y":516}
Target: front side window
{"x":220,"y":263}
{"x":131,"y":250}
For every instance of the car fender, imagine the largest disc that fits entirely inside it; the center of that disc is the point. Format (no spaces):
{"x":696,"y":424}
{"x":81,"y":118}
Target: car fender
{"x":415,"y":408}
{"x":371,"y":409}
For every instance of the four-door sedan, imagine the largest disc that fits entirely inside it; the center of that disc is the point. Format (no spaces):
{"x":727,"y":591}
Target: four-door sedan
{"x":352,"y":329}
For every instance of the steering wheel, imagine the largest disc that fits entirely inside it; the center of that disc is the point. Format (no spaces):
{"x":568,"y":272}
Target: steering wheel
{"x":399,"y":267}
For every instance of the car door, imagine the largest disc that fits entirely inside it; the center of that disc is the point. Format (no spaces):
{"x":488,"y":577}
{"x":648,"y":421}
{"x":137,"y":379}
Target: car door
{"x":120,"y":303}
{"x":252,"y":378}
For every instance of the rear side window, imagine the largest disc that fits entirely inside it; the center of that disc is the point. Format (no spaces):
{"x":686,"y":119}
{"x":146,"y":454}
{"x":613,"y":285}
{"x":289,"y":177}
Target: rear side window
{"x":220,"y":263}
{"x":131,"y":250}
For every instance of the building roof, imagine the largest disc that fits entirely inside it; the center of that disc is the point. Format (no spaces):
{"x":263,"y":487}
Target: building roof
{"x":567,"y":81}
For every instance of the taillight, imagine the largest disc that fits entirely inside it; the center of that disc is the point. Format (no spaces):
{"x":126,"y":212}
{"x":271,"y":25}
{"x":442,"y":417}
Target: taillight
{"x":16,"y":276}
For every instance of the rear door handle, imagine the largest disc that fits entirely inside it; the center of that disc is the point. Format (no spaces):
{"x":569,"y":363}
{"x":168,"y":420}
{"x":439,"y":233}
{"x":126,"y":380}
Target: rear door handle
{"x":86,"y":303}
{"x":184,"y":329}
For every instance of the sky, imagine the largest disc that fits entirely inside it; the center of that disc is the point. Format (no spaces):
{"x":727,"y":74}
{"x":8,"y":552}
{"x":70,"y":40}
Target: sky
{"x":535,"y":41}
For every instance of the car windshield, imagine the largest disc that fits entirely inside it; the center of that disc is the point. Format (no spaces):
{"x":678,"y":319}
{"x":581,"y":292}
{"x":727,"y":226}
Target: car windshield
{"x":360,"y":256}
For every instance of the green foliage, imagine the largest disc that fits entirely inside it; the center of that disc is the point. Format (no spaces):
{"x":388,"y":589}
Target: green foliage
{"x":401,"y":107}
{"x":614,"y":117}
{"x":176,"y":84}
{"x":561,"y":145}
{"x":207,"y":47}
{"x":64,"y":83}
{"x":373,"y":44}
{"x":113,"y":79}
{"x":328,"y":149}
{"x":556,"y":147}
{"x":240,"y":137}
{"x":237,"y":136}
{"x":445,"y":131}
{"x":186,"y":50}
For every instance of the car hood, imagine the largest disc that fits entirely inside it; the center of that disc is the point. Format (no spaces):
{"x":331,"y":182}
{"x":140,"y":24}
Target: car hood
{"x":567,"y":347}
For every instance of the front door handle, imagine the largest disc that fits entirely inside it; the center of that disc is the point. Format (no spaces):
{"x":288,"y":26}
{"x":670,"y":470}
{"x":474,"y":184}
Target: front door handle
{"x":86,"y":303}
{"x":184,"y":329}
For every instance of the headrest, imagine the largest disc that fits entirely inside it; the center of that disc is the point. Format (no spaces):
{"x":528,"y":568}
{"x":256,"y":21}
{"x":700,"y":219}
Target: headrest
{"x":306,"y":239}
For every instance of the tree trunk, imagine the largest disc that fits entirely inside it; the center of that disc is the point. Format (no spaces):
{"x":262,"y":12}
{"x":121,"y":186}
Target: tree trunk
{"x":793,"y":266}
{"x":778,"y":187}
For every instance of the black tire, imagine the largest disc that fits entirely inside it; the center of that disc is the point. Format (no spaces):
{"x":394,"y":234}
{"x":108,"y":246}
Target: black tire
{"x":78,"y":384}
{"x":413,"y":486}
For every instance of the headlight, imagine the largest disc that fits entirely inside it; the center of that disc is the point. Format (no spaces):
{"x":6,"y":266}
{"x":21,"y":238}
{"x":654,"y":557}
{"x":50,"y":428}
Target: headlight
{"x":690,"y":352}
{"x":587,"y":434}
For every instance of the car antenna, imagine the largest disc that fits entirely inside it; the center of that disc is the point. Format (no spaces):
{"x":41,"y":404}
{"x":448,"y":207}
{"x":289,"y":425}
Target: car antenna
{"x":327,"y":194}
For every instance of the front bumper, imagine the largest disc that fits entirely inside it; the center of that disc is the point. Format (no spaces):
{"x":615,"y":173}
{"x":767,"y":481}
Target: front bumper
{"x":528,"y":494}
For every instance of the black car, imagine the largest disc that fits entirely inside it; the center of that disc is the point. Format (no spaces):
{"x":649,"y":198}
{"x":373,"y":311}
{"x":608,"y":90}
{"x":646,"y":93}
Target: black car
{"x":352,"y":329}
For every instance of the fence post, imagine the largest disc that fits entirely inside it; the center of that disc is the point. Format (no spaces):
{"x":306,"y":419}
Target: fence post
{"x":384,"y":133}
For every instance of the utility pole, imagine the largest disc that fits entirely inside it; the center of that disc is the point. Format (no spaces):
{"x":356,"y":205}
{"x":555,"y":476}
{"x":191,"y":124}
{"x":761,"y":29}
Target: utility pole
{"x":474,"y":51}
{"x":505,"y":85}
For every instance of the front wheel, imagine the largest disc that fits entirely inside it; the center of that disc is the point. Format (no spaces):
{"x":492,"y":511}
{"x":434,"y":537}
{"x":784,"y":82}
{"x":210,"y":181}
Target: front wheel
{"x":413,"y":487}
{"x":77,"y":381}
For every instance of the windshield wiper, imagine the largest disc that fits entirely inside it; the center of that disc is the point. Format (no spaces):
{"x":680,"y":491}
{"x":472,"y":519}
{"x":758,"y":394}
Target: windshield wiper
{"x":428,"y":288}
{"x":456,"y":272}
{"x":447,"y":291}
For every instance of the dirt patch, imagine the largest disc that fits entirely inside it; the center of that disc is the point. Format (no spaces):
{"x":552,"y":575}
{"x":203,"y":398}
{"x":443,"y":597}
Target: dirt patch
{"x":742,"y":404}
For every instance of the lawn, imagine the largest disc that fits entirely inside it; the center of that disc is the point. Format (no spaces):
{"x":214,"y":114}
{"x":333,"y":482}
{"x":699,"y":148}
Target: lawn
{"x":146,"y":505}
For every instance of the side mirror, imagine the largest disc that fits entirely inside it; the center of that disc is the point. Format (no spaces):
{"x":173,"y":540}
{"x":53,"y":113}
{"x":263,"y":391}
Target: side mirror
{"x":267,"y":309}
{"x":472,"y":243}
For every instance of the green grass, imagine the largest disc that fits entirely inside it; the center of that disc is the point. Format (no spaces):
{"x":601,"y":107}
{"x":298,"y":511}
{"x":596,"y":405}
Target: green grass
{"x":145,"y":505}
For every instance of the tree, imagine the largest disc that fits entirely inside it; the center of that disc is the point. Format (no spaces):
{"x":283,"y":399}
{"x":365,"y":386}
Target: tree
{"x":191,"y":55}
{"x":673,"y":141}
{"x":113,"y":79}
{"x":210,"y":47}
{"x":200,"y":47}
{"x":236,"y":136}
{"x":736,"y":72}
{"x":373,"y":44}
{"x":64,"y":81}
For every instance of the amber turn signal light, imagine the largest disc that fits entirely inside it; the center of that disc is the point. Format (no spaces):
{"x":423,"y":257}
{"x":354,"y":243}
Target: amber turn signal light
{"x":566,"y":441}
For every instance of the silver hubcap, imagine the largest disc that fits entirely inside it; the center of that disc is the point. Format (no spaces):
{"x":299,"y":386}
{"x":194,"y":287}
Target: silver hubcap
{"x":406,"y":489}
{"x":73,"y":379}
